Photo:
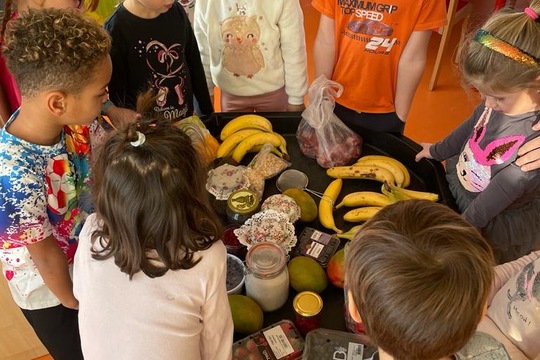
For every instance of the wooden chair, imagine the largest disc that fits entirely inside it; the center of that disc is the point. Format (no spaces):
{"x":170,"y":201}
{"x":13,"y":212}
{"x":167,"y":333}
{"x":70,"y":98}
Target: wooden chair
{"x":457,"y":10}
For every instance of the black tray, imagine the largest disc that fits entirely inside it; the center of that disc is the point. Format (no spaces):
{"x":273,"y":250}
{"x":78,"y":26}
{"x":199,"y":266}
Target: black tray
{"x":426,"y":175}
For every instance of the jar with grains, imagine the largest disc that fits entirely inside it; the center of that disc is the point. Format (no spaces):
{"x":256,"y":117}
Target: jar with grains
{"x":241,"y":205}
{"x":307,"y":306}
{"x":267,"y":279}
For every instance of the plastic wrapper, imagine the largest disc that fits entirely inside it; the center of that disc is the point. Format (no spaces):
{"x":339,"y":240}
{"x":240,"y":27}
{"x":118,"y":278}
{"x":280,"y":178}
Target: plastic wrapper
{"x":267,"y":163}
{"x":325,"y":344}
{"x":321,"y":134}
{"x":280,"y":341}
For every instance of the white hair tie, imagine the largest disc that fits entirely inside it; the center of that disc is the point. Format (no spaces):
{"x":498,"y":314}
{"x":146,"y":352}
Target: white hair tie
{"x":140,"y":139}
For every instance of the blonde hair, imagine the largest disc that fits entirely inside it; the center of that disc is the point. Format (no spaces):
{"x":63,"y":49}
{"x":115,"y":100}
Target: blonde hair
{"x":419,"y":275}
{"x":482,"y":66}
{"x":54,"y":49}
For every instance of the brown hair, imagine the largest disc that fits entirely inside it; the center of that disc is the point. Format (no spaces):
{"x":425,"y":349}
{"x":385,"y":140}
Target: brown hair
{"x":54,"y":49}
{"x":481,"y":66}
{"x":419,"y":275}
{"x":151,"y":199}
{"x":90,"y":5}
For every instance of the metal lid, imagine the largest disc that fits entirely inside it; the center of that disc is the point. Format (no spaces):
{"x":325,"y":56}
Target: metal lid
{"x":307,"y":303}
{"x":266,"y":259}
{"x":243,"y":201}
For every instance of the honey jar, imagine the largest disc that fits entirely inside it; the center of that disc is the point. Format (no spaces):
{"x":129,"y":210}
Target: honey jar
{"x":241,"y":205}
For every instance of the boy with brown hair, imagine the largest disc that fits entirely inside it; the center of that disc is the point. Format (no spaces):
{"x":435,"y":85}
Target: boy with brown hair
{"x":418,"y":277}
{"x":60,"y":60}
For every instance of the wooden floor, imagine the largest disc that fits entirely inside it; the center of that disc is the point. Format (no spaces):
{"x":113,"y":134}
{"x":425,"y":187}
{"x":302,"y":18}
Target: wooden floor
{"x":434,"y":113}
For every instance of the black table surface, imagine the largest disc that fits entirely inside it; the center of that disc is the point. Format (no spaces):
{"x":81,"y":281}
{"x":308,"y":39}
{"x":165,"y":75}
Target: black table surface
{"x":426,"y":175}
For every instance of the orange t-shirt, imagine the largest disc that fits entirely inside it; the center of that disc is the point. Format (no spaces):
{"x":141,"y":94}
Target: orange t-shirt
{"x":370,"y":37}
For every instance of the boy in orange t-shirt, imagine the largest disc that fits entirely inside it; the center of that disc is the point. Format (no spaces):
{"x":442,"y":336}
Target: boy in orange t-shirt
{"x":377,"y":51}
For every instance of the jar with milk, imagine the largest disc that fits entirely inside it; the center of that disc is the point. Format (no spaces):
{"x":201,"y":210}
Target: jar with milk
{"x":267,"y":279}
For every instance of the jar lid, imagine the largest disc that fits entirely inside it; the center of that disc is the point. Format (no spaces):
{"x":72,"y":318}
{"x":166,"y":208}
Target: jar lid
{"x":307,"y":303}
{"x":243,"y":201}
{"x":266,"y":259}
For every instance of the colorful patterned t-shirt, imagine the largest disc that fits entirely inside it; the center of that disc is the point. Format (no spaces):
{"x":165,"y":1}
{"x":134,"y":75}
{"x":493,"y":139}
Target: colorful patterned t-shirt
{"x":40,"y":190}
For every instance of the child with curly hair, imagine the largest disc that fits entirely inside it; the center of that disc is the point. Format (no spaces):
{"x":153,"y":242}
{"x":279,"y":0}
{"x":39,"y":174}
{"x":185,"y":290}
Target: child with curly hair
{"x":43,"y":183}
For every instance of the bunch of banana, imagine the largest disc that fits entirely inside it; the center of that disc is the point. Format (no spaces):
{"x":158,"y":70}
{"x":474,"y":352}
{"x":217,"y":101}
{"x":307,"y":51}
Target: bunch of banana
{"x":399,"y":171}
{"x":247,"y":133}
{"x":326,"y":205}
{"x":364,"y":172}
{"x":395,"y":193}
{"x":361,"y":214}
{"x":349,"y":235}
{"x":364,"y":198}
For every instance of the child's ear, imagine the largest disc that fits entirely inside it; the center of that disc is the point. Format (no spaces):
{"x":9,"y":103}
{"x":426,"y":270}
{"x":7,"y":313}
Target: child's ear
{"x":56,"y":102}
{"x":353,"y":310}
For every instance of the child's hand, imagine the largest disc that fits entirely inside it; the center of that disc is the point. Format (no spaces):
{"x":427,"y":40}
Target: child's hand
{"x":424,"y":153}
{"x":296,"y":107}
{"x":121,"y":116}
{"x":529,"y":153}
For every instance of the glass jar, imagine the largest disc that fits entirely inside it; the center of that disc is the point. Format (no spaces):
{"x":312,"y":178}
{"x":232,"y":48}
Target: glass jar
{"x":307,"y":306}
{"x":241,"y":204}
{"x":267,"y":278}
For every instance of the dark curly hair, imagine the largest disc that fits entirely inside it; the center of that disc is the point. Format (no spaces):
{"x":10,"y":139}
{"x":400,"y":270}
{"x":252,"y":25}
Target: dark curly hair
{"x":54,"y":49}
{"x":150,"y":199}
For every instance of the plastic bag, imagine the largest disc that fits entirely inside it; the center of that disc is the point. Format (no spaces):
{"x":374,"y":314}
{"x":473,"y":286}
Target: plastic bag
{"x":321,"y":134}
{"x":267,"y":163}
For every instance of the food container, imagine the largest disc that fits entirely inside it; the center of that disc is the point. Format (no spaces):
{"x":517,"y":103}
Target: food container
{"x":267,"y":278}
{"x":241,"y":205}
{"x":235,"y":275}
{"x":307,"y":307}
{"x":280,"y":341}
{"x":325,"y":344}
{"x":232,"y":243}
{"x":317,"y":245}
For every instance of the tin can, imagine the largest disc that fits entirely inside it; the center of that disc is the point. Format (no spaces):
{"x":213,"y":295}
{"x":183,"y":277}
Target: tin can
{"x":241,"y":205}
{"x":307,"y":306}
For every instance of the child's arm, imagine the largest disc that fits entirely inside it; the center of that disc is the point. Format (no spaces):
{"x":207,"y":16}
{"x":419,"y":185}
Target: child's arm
{"x":293,"y":52}
{"x":200,"y":27}
{"x":52,"y":264}
{"x":410,"y":69}
{"x":505,"y":187}
{"x":217,"y":334}
{"x":324,"y":49}
{"x":5,"y":112}
{"x":504,"y":272}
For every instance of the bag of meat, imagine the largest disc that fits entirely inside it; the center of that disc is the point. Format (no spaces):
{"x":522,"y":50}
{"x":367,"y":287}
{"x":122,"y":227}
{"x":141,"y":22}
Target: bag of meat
{"x":321,"y":134}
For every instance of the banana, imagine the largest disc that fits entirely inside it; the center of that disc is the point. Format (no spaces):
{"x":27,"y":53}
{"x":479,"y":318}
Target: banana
{"x":283,"y":146}
{"x":349,"y":235}
{"x":326,"y":215}
{"x":361,"y":214}
{"x":365,"y":172}
{"x":248,"y":121}
{"x":254,"y":140}
{"x":391,"y":166}
{"x":397,"y":194}
{"x":364,"y":198}
{"x":227,"y":146}
{"x":406,"y":174}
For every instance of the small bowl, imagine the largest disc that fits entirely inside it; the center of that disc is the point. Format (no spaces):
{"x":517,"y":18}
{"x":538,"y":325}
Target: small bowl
{"x":235,"y":274}
{"x":234,"y":247}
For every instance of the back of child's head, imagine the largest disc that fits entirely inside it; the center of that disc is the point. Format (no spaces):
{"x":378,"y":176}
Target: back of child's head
{"x":151,"y":199}
{"x":419,"y":276}
{"x":53,"y":49}
{"x":503,"y":55}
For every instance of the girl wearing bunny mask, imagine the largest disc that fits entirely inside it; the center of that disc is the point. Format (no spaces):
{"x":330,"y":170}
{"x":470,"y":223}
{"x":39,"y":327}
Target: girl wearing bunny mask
{"x":502,"y":61}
